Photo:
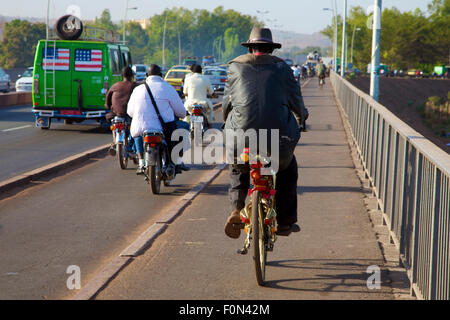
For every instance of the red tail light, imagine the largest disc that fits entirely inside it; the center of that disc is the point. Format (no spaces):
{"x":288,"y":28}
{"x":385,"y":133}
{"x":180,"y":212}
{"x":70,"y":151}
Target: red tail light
{"x":257,"y":165}
{"x":153,"y":139}
{"x":223,"y":80}
{"x":36,"y":86}
{"x":245,"y":220}
{"x":197,"y":112}
{"x":120,"y":126}
{"x":256,"y":175}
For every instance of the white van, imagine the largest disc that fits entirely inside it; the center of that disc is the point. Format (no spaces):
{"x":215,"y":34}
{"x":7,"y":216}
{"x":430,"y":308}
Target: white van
{"x":140,"y":72}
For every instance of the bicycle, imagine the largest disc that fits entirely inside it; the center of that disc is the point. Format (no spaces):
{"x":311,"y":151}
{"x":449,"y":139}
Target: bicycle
{"x":321,"y":80}
{"x":259,"y":216}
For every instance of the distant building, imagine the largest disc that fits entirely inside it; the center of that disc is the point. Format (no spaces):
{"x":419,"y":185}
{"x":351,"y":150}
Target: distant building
{"x":144,"y":23}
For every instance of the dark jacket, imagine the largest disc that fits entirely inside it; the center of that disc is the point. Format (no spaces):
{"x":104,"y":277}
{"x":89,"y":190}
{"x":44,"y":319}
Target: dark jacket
{"x":262,"y":93}
{"x":118,"y":96}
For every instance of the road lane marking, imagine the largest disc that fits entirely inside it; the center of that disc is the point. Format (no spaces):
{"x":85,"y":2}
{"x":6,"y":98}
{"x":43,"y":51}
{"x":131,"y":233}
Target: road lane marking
{"x":18,"y":128}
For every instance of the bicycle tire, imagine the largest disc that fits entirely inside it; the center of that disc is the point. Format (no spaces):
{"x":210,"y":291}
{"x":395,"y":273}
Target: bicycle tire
{"x":258,"y":239}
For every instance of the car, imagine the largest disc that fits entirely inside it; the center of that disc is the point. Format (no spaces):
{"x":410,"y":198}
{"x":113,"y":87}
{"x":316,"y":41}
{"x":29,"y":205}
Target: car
{"x":25,"y":81}
{"x":175,"y":77}
{"x":140,"y":72}
{"x":411,"y":72}
{"x":190,"y":61}
{"x":5,"y":83}
{"x":289,"y":62}
{"x":181,"y":67}
{"x":218,"y":78}
{"x":164,"y":71}
{"x":208,"y":60}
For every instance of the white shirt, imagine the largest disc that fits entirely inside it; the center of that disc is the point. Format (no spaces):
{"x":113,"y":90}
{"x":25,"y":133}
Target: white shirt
{"x":197,"y":87}
{"x":140,"y":106}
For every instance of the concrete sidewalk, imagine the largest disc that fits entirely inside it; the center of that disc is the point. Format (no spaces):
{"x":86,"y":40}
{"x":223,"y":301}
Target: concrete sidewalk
{"x":328,"y":259}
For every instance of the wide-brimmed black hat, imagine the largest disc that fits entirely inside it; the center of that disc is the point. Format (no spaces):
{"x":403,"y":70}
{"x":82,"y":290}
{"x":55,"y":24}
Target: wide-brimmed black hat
{"x":261,"y":36}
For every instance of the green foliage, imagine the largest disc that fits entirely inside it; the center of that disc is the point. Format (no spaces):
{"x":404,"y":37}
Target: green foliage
{"x":231,"y":40}
{"x":19,"y":43}
{"x":105,"y":22}
{"x":437,"y":115}
{"x":201,"y":32}
{"x":137,"y":40}
{"x":408,"y":39}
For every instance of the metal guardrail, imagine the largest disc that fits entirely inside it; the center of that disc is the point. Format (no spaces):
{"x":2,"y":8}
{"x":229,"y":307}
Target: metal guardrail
{"x":410,"y":177}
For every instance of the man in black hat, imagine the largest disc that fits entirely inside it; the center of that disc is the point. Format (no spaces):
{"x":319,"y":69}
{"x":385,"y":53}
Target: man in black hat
{"x":261,"y":93}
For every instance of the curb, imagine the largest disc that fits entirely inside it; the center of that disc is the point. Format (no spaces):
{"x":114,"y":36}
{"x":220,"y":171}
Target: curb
{"x":27,"y":177}
{"x":145,"y":240}
{"x":13,"y":99}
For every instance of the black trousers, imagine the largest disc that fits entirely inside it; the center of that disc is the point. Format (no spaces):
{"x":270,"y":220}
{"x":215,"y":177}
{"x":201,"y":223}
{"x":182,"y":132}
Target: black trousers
{"x":286,"y":198}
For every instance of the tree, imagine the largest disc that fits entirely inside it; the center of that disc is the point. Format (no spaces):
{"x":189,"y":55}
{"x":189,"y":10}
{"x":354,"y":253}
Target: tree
{"x":105,"y":22}
{"x":408,"y":39}
{"x":137,"y":40}
{"x":19,"y":43}
{"x":200,"y":32}
{"x":232,"y":44}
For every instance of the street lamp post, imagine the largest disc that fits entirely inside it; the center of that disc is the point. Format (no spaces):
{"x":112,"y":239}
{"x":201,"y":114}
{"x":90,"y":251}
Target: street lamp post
{"x":375,"y":64}
{"x":353,"y":39}
{"x":335,"y":43}
{"x":48,"y":19}
{"x":164,"y":42}
{"x":179,"y":44}
{"x":125,"y":21}
{"x":344,"y":40}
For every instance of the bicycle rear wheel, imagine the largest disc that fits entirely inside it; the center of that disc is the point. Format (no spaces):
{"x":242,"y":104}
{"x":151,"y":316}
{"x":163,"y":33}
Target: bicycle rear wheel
{"x":258,"y":238}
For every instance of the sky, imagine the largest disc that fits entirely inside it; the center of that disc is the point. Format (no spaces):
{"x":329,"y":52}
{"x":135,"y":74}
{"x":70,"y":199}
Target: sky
{"x":301,"y":16}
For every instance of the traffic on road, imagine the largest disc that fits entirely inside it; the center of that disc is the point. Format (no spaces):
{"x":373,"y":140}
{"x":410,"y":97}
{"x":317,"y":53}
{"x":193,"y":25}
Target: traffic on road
{"x":153,"y":160}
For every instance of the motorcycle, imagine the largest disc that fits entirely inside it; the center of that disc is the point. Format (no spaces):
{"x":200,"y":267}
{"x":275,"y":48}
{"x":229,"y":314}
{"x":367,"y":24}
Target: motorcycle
{"x":122,"y":142}
{"x":199,"y":123}
{"x":158,"y":166}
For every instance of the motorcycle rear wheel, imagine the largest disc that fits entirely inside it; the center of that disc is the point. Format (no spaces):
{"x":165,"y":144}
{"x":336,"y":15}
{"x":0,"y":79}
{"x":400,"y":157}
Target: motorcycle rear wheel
{"x":156,"y":175}
{"x":123,"y":160}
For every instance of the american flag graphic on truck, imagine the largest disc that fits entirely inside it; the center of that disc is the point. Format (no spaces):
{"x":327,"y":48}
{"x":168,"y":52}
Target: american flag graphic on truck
{"x":88,"y":60}
{"x":59,"y":60}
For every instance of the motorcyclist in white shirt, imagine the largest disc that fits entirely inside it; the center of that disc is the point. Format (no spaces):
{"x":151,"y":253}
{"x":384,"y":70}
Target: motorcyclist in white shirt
{"x":197,"y":88}
{"x":144,"y":116}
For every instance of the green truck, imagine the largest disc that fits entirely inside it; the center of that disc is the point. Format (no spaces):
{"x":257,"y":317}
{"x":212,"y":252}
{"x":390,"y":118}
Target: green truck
{"x":441,"y":70}
{"x":71,"y":77}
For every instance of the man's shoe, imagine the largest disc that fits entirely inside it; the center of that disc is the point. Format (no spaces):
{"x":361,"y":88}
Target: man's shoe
{"x":285,"y":230}
{"x":233,"y":225}
{"x":112,"y":150}
{"x":183,"y":167}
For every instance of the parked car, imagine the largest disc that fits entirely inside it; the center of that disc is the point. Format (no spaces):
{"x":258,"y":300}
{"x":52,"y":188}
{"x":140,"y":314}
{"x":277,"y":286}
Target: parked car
{"x":411,"y":72}
{"x":140,"y":72}
{"x":218,"y":78}
{"x":25,"y":81}
{"x":175,"y":77}
{"x":5,"y":83}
